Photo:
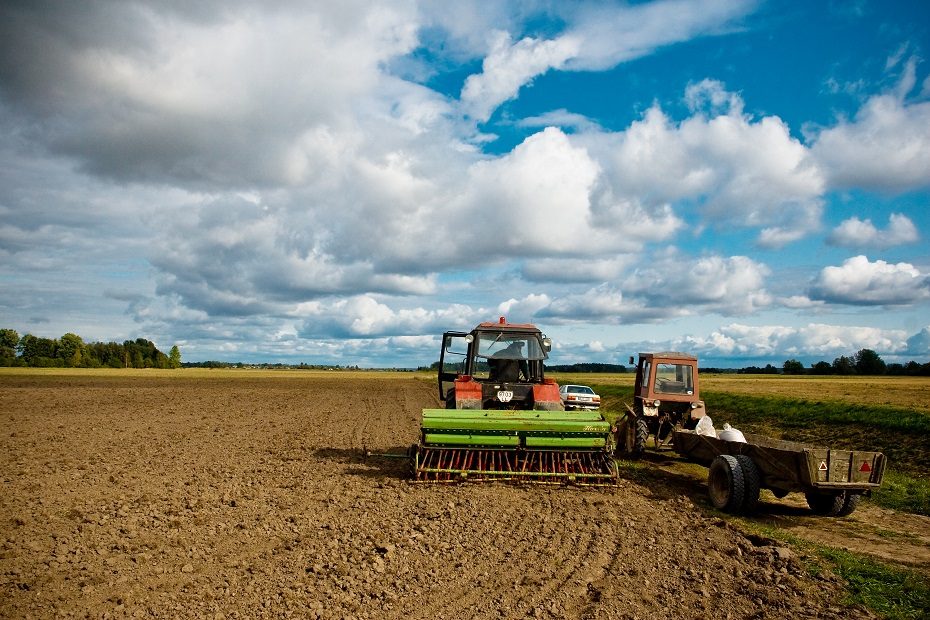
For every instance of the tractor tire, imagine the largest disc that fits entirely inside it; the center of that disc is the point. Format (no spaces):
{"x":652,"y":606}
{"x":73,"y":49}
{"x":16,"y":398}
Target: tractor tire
{"x":631,"y":437}
{"x":827,"y":504}
{"x":726,"y":485}
{"x":640,"y":432}
{"x":622,"y":443}
{"x":753,"y":481}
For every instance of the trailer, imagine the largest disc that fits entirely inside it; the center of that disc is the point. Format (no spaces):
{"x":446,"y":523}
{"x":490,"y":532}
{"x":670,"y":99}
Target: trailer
{"x":832,"y":480}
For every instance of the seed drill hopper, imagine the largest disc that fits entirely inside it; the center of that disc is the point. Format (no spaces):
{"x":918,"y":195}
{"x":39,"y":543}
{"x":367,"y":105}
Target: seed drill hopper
{"x":503,"y":420}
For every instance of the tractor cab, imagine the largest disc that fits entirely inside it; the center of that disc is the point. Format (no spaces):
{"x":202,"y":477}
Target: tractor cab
{"x":666,"y":383}
{"x":496,"y":366}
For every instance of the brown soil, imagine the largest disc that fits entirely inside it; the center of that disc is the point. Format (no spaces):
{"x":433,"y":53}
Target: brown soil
{"x":252,"y":497}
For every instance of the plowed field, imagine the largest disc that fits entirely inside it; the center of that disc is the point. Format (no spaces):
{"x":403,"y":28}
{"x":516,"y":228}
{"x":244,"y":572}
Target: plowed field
{"x":251,"y":496}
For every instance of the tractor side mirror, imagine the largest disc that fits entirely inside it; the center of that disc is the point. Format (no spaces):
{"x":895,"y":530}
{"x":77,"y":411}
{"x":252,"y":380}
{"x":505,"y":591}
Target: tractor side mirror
{"x":547,"y":344}
{"x":632,"y":361}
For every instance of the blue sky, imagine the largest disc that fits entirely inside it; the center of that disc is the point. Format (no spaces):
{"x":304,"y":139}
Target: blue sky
{"x":748,"y":181}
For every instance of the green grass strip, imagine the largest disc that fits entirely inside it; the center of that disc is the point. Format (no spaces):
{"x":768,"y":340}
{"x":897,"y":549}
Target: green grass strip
{"x":795,"y":412}
{"x":895,"y":593}
{"x":900,"y":491}
{"x":892,"y":592}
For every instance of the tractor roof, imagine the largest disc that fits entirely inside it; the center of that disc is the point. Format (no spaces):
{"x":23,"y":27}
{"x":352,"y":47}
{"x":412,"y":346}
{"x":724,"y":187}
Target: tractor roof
{"x":503,"y":324}
{"x":669,"y":355}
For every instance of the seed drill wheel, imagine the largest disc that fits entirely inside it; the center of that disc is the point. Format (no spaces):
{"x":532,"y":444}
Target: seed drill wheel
{"x":726,"y":484}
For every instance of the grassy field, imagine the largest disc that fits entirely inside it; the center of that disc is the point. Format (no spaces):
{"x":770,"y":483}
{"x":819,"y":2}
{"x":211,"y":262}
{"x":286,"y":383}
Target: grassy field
{"x":903,"y":392}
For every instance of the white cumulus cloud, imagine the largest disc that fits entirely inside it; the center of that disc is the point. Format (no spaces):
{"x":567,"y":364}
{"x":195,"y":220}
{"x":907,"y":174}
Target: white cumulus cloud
{"x":597,"y":37}
{"x":854,"y":233}
{"x":886,"y":147}
{"x":859,"y":281}
{"x":811,"y":340}
{"x":509,"y":66}
{"x":742,"y":172}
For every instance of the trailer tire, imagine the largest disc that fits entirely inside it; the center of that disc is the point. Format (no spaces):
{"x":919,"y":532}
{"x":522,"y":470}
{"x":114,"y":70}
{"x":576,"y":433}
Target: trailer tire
{"x":826,"y":504}
{"x":726,"y":484}
{"x":753,"y":481}
{"x":849,"y":506}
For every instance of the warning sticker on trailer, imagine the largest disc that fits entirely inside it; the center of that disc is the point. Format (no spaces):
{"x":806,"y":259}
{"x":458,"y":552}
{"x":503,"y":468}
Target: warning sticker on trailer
{"x":823,"y":466}
{"x":865,"y":466}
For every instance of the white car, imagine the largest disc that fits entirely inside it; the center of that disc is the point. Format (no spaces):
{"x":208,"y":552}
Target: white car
{"x":579,"y":397}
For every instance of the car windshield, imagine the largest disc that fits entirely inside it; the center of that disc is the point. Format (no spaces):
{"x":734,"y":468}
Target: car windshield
{"x":580,"y":389}
{"x":501,"y":345}
{"x":674,"y":379}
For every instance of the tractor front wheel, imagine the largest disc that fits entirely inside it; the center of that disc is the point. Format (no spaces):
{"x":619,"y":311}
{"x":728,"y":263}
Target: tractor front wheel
{"x":631,"y":437}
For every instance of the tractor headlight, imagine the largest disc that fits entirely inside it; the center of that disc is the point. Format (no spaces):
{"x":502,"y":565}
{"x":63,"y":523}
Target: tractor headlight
{"x":656,"y":402}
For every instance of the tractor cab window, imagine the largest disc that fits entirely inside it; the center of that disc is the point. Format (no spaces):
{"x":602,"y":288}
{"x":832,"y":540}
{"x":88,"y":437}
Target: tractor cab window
{"x":510,"y":346}
{"x":645,"y":380}
{"x":454,"y":354}
{"x":506,"y":357}
{"x":674,"y":379}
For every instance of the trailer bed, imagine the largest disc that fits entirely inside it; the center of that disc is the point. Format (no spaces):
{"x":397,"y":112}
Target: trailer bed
{"x":823,"y":474}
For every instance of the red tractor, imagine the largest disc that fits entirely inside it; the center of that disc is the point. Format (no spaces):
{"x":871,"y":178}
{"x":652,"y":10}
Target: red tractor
{"x":666,"y":395}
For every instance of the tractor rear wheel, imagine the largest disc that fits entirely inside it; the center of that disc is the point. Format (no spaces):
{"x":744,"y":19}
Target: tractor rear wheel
{"x":726,"y":485}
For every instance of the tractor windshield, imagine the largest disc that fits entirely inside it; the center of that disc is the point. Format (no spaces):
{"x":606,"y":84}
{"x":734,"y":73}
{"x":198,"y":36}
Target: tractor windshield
{"x":674,"y":379}
{"x":501,"y":345}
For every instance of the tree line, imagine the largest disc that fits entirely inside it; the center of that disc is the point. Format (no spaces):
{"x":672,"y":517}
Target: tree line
{"x":864,"y":362}
{"x":70,"y":351}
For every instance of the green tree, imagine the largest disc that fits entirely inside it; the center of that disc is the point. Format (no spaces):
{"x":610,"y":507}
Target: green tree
{"x":71,"y":350}
{"x":37,"y":351}
{"x":9,"y":339}
{"x":793,"y":367}
{"x":868,"y":362}
{"x":174,"y":357}
{"x":844,"y":365}
{"x":822,"y":368}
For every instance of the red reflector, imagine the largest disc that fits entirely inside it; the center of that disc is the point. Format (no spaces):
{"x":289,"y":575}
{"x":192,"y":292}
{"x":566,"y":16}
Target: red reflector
{"x":865,"y":466}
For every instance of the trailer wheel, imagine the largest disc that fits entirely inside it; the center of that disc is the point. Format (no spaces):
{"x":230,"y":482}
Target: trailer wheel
{"x":849,"y":506}
{"x":726,"y":485}
{"x":826,"y":504}
{"x":753,"y":480}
